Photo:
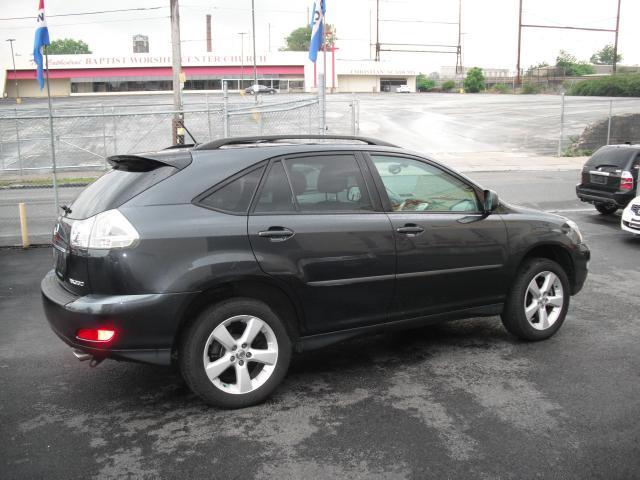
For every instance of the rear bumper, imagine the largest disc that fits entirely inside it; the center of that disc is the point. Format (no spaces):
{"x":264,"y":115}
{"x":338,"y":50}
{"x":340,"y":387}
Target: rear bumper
{"x":581,"y":257}
{"x":145,"y":325}
{"x":620,"y":199}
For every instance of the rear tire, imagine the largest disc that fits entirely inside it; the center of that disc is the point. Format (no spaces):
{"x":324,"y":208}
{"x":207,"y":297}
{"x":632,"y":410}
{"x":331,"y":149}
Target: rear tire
{"x":606,"y":209}
{"x":235,"y":353}
{"x":538,"y":302}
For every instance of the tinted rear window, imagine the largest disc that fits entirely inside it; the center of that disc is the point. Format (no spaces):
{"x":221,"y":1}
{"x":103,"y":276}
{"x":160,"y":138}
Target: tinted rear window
{"x":115,"y":188}
{"x":620,"y":157}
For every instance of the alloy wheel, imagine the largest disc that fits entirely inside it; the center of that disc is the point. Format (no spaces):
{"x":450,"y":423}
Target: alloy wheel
{"x":543,"y":300}
{"x":240,"y":354}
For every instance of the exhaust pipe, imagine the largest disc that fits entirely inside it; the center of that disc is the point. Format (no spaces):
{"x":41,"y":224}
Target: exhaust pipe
{"x":83,"y":357}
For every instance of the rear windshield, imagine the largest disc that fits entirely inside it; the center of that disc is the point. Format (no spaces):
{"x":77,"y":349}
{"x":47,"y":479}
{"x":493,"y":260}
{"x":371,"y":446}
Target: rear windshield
{"x":115,"y":188}
{"x":620,"y":157}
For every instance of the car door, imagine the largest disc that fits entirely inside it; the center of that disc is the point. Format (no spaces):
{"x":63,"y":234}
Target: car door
{"x":450,"y":255}
{"x":315,"y":226}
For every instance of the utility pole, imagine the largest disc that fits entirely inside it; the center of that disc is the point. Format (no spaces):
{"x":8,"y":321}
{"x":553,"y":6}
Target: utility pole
{"x":377,"y":30}
{"x":15,"y":76}
{"x":178,"y":116}
{"x":253,"y":30}
{"x":269,"y":24}
{"x":615,"y":45}
{"x":519,"y":42}
{"x":209,"y":47}
{"x":459,"y":67}
{"x":242,"y":34}
{"x":565,"y":27}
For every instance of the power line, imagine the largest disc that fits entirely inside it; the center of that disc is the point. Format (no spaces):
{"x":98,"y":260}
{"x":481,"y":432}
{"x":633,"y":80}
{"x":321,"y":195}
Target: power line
{"x":417,"y":21}
{"x":85,"y":13}
{"x":55,"y":25}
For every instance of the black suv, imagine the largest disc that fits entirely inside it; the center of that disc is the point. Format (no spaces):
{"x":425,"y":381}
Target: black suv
{"x":609,"y":177}
{"x":227,"y":256}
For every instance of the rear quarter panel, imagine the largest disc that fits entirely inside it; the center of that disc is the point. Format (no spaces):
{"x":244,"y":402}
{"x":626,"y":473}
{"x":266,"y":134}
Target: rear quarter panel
{"x":182,"y":248}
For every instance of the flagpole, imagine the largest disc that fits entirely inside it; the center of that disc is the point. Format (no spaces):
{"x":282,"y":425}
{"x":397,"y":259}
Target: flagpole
{"x":323,"y":84}
{"x":53,"y":148}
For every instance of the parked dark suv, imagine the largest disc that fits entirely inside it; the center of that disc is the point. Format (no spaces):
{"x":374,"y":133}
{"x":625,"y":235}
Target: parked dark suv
{"x":228,"y":256}
{"x":609,"y":178}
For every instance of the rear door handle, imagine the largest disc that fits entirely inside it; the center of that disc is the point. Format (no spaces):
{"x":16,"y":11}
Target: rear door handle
{"x":277,"y":234}
{"x":410,"y":229}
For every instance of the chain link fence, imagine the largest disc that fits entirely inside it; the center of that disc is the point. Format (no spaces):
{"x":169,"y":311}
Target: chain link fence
{"x":83,"y":139}
{"x":587,"y":123}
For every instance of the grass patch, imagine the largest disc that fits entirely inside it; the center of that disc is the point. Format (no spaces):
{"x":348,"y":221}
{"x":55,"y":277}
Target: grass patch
{"x":45,"y":182}
{"x":581,"y":152}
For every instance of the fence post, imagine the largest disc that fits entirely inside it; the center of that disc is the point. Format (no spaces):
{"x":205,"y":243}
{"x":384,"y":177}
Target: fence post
{"x":104,"y":136}
{"x":206,"y":97}
{"x":322,"y":104}
{"x":115,"y":135}
{"x":225,"y":108}
{"x":609,"y":125}
{"x":18,"y":142}
{"x":2,"y":153}
{"x":561,"y":124}
{"x":353,"y":115}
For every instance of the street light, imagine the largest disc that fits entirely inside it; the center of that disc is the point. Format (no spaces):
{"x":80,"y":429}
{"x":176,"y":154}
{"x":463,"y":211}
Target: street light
{"x":242,"y":34}
{"x":15,"y":76}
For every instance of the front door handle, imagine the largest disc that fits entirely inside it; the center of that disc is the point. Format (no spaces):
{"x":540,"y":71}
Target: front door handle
{"x":276,"y":234}
{"x":410,"y":229}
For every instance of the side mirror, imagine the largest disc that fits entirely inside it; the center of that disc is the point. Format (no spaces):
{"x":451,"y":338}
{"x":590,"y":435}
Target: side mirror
{"x":491,"y":201}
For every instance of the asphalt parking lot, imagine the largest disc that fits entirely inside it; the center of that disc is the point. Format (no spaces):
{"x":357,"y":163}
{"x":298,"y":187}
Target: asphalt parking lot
{"x":458,"y":400}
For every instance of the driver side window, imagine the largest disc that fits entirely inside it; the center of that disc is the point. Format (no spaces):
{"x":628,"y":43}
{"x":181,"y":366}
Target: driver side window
{"x":414,"y":186}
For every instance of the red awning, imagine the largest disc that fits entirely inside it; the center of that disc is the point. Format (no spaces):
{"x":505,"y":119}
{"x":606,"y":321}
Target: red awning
{"x":158,"y":72}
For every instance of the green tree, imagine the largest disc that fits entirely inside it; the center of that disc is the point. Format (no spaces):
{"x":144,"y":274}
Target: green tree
{"x":604,"y":56}
{"x":424,"y":84}
{"x":299,"y":39}
{"x":571,"y":66}
{"x":67,"y":46}
{"x":474,"y":81}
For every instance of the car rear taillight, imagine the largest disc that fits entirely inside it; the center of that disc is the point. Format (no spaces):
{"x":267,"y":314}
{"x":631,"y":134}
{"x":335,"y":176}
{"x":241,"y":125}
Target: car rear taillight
{"x":96,"y":334}
{"x":626,"y":181}
{"x":106,"y":230}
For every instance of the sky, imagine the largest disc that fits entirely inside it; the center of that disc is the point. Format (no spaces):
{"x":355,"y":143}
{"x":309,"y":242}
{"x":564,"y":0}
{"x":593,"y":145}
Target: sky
{"x":489,"y":27}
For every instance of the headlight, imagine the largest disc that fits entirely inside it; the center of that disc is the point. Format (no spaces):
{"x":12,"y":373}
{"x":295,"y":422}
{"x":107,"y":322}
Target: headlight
{"x":572,"y":231}
{"x":106,"y":230}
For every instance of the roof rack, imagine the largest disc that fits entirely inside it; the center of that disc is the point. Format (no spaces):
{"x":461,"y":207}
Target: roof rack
{"x":274,"y":138}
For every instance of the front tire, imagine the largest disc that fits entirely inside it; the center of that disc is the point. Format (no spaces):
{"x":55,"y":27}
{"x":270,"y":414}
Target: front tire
{"x":235,"y":354}
{"x":605,"y":209}
{"x":538,"y":302}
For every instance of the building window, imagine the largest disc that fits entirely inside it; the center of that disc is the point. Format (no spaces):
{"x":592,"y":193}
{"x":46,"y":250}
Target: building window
{"x":140,"y":44}
{"x":390,"y":84}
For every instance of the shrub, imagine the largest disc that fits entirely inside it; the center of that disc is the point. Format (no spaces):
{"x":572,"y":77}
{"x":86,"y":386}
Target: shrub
{"x":530,"y":88}
{"x":474,"y":81}
{"x":501,"y":88}
{"x":448,"y":85}
{"x":622,"y":85}
{"x":424,"y":84}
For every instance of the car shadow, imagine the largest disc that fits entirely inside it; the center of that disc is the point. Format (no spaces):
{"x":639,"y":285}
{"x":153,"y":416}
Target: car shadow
{"x":365,"y":357}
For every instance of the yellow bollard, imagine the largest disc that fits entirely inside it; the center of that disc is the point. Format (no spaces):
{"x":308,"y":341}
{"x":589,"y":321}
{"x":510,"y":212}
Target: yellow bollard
{"x":23,"y":225}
